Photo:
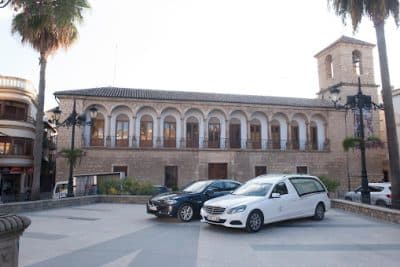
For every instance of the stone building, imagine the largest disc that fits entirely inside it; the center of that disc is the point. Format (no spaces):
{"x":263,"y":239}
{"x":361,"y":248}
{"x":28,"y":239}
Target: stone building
{"x":172,"y":138}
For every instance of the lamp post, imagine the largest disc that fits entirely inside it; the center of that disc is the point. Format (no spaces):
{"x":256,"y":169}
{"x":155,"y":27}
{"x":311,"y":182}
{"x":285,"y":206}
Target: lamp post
{"x":358,"y":102}
{"x":72,"y":120}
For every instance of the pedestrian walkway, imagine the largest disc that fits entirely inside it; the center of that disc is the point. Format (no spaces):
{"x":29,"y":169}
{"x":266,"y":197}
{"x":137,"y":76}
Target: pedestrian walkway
{"x":124,"y":235}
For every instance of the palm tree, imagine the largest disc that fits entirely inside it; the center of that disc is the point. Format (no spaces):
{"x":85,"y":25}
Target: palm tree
{"x":46,"y":25}
{"x":378,"y":11}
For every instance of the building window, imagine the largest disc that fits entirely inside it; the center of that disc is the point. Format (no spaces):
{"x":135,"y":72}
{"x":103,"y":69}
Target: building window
{"x":120,"y":168}
{"x":295,"y":135}
{"x":146,"y":131}
{"x":276,"y":135}
{"x":169,"y":132}
{"x":260,"y":170}
{"x":329,"y":67}
{"x":214,"y":132}
{"x":314,"y":136}
{"x":97,"y":131}
{"x":255,"y":134}
{"x":16,"y":146}
{"x":357,"y":63}
{"x":234,"y":134}
{"x":12,"y":110}
{"x":122,"y":131}
{"x":301,"y":169}
{"x":192,"y":133}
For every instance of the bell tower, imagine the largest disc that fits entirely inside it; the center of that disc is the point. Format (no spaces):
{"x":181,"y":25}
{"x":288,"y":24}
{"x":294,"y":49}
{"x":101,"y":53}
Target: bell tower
{"x":337,"y":68}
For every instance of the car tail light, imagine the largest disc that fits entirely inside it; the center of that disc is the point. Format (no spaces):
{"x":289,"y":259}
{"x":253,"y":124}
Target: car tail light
{"x":389,"y":195}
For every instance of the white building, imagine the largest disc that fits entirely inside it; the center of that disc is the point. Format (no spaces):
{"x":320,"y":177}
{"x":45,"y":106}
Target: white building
{"x":17,"y":134}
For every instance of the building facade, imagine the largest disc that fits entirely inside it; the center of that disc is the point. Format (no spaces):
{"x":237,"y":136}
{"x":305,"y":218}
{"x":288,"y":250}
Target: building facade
{"x":17,"y":133}
{"x":172,"y":138}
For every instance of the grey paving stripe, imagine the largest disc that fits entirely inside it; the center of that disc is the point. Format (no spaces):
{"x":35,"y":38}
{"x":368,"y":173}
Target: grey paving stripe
{"x":366,"y":225}
{"x":153,"y":242}
{"x":65,"y":217}
{"x":326,"y":247}
{"x":90,"y":209}
{"x":43,"y":236}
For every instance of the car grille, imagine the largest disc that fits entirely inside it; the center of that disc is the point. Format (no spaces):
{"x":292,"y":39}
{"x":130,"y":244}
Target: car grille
{"x":214,"y":210}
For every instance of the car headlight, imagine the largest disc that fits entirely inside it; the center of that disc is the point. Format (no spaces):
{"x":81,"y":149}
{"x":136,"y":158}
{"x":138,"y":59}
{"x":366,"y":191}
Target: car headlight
{"x":237,"y":209}
{"x":171,"y":201}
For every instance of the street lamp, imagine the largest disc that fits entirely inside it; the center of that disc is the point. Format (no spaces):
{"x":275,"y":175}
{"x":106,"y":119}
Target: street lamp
{"x":357,"y":102}
{"x":73,"y":119}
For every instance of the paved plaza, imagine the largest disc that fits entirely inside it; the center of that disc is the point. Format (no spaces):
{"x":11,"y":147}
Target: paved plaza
{"x":124,"y":235}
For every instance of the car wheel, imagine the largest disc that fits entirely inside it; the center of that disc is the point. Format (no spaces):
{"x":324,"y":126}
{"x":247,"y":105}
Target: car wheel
{"x":348,"y":198}
{"x":185,"y":212}
{"x":319,"y":212}
{"x":380,"y":203}
{"x":254,"y":222}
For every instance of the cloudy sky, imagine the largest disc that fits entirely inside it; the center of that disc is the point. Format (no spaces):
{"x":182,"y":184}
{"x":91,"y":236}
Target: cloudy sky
{"x":227,"y":46}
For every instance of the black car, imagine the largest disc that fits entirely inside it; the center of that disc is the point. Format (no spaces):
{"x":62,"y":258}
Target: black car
{"x":159,"y":189}
{"x":187,"y":204}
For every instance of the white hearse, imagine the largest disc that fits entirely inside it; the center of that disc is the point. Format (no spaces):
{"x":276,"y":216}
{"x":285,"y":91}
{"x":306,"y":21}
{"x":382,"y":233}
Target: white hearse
{"x":267,"y":199}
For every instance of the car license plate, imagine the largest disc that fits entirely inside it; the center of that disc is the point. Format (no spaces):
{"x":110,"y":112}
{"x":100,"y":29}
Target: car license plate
{"x":154,"y":208}
{"x":213,"y":218}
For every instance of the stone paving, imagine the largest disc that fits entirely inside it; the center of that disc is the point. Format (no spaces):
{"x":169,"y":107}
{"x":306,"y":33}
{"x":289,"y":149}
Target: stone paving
{"x":124,"y":235}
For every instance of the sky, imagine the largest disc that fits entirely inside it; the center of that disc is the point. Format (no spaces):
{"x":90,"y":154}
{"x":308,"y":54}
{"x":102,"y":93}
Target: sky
{"x":225,"y":46}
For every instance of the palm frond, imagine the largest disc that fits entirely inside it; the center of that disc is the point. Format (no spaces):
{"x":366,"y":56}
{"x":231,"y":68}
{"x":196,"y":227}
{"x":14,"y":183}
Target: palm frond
{"x":72,"y":156}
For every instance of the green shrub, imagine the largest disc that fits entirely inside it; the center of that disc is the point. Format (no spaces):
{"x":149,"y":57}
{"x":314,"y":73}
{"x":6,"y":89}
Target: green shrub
{"x":330,"y":184}
{"x":127,"y":186}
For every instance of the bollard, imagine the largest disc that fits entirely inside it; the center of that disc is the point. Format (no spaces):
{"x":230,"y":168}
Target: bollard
{"x":11,"y":228}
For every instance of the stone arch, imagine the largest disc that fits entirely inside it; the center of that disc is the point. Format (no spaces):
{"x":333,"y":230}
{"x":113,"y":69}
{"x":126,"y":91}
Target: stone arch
{"x":116,"y":111}
{"x":171,"y":112}
{"x":213,"y":115}
{"x":282,"y":120}
{"x":302,"y":121}
{"x":191,"y":117}
{"x":357,"y":61}
{"x":320,"y":123}
{"x":329,"y":67}
{"x":151,"y":112}
{"x":240,"y":116}
{"x":263,"y":119}
{"x":87,"y":129}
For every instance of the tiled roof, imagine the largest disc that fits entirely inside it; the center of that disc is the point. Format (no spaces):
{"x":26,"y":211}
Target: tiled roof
{"x":115,"y":92}
{"x":346,"y":40}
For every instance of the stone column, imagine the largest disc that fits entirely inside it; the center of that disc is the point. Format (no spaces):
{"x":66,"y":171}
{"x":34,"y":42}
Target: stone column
{"x":11,"y":228}
{"x":289,"y":136}
{"x":249,"y":143}
{"x":182,"y":143}
{"x":307,"y":145}
{"x":226,"y":134}
{"x":133,"y":131}
{"x":108,"y":131}
{"x":269,"y":137}
{"x":205,"y":139}
{"x":158,"y":137}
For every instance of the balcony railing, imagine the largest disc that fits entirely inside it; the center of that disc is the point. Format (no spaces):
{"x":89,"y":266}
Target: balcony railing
{"x":15,"y":82}
{"x":14,"y":117}
{"x":223,"y":144}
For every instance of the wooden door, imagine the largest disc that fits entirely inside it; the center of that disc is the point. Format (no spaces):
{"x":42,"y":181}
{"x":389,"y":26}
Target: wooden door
{"x":217,"y":170}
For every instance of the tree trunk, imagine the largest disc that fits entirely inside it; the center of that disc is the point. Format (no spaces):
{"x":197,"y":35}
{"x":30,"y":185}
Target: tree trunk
{"x":393,"y":146}
{"x":38,"y":146}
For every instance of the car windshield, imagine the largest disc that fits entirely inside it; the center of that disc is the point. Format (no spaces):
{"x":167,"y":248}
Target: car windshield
{"x":253,"y":189}
{"x":196,"y":187}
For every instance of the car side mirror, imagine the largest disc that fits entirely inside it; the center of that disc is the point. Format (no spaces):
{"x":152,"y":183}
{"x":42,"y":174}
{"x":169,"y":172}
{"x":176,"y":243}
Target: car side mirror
{"x":209,"y":192}
{"x":275,"y":195}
